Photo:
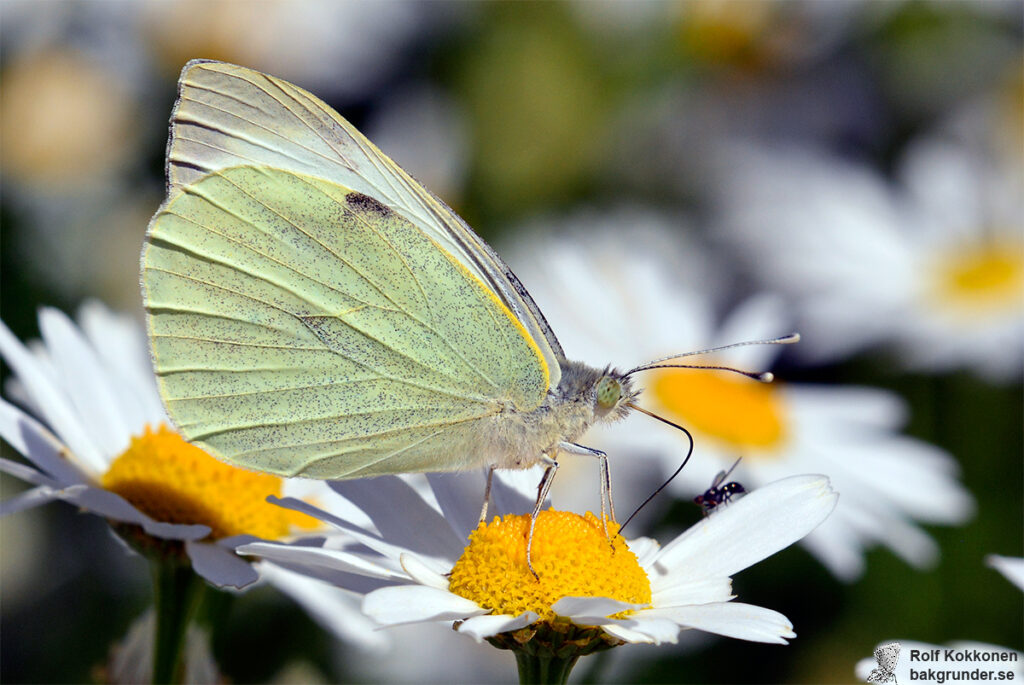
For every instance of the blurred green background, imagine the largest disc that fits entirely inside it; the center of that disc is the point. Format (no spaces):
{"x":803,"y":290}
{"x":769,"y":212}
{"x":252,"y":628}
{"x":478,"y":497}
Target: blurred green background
{"x":507,"y":111}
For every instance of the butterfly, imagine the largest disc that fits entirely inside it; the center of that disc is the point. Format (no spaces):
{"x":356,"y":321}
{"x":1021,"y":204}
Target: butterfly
{"x":313,"y":311}
{"x":886,"y":656}
{"x":718,"y":493}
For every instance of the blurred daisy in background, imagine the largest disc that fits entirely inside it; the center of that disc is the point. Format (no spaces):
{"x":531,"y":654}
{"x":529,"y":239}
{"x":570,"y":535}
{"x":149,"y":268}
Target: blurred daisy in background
{"x":933,"y":263}
{"x":587,"y":592}
{"x":650,"y":305}
{"x":336,"y":49}
{"x":751,"y":35}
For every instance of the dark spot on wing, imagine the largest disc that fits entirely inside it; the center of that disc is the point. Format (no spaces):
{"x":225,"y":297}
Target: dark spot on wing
{"x":364,"y":203}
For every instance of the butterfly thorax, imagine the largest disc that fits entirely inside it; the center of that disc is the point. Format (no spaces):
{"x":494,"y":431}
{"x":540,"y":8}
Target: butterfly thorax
{"x":584,"y":396}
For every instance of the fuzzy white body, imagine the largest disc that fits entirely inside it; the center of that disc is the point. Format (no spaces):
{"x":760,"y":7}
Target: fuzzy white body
{"x":517,"y":440}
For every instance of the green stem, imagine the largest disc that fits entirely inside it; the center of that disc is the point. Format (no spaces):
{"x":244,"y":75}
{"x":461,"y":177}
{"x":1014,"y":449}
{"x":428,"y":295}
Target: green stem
{"x":176,"y":590}
{"x":544,"y":670}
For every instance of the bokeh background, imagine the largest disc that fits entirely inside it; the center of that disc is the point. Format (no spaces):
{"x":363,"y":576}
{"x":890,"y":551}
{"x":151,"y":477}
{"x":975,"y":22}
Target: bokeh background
{"x":537,"y":114}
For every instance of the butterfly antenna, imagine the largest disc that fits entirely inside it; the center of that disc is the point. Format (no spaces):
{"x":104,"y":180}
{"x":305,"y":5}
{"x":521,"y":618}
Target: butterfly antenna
{"x":765,"y":377}
{"x":664,"y":485}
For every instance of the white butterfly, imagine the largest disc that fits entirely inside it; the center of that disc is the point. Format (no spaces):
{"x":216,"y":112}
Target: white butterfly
{"x":314,"y":311}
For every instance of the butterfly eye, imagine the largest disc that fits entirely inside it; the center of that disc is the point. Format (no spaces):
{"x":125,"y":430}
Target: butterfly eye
{"x":609,"y":392}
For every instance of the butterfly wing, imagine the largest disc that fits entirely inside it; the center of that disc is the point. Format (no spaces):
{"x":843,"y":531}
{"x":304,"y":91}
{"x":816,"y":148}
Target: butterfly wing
{"x":228,"y":116}
{"x":302,"y":328}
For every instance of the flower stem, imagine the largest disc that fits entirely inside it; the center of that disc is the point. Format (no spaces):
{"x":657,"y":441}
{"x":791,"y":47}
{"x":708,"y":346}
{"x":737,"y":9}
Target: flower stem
{"x":176,"y":590}
{"x":544,"y":670}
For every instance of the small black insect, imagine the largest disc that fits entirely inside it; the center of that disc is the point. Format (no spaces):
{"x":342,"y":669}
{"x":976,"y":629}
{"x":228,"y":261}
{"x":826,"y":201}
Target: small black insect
{"x":718,"y":493}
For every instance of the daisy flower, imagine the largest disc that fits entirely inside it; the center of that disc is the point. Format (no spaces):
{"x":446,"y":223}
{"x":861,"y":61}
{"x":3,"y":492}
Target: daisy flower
{"x":102,"y":443}
{"x":848,"y":433}
{"x":111,"y":451}
{"x":932,"y":263}
{"x":595,"y":590}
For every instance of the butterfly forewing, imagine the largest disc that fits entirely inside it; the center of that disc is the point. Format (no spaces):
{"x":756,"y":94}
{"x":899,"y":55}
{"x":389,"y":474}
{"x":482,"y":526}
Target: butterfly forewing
{"x":300,"y":327}
{"x":229,"y":116}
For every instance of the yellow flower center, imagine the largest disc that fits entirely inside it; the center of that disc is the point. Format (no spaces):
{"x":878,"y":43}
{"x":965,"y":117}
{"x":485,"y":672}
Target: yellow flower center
{"x":733,"y":409}
{"x":570,"y":553}
{"x":986,"y":277}
{"x":173,"y":481}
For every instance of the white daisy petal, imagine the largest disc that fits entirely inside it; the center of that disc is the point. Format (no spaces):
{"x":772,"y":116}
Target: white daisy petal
{"x":26,"y":473}
{"x":1011,"y":567}
{"x":422,"y":573}
{"x":858,"y":407}
{"x":515,"y":492}
{"x":645,"y":549}
{"x":33,"y":497}
{"x":665,"y":593}
{"x":906,"y":540}
{"x":454,"y":493}
{"x":52,"y":405}
{"x":335,"y":609}
{"x":317,"y":556}
{"x":219,"y":565}
{"x":480,"y":627}
{"x":591,"y":610}
{"x":764,"y":313}
{"x":121,"y":344}
{"x":839,"y":549}
{"x":884,"y":466}
{"x":628,"y":634}
{"x":86,"y":382}
{"x":731,"y":619}
{"x":402,"y":516}
{"x":725,"y":543}
{"x":417,"y":604}
{"x":373,"y":541}
{"x":111,"y":505}
{"x":640,"y":628}
{"x":37,"y":444}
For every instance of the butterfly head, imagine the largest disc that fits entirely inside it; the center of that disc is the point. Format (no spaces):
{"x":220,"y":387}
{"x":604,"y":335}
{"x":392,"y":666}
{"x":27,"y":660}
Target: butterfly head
{"x":604,"y":392}
{"x":612,"y":393}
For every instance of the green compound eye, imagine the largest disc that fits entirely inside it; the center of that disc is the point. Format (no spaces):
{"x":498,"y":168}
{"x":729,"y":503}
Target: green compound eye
{"x":609,"y":391}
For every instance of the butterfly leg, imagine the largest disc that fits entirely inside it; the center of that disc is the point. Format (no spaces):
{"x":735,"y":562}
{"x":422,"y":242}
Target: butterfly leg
{"x":487,"y":495}
{"x":607,"y":505}
{"x":542,"y":493}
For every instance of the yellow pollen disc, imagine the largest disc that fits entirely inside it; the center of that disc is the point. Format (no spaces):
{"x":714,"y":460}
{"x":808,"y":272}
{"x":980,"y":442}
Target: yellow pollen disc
{"x":741,"y":412}
{"x":173,"y":481}
{"x":570,"y":553}
{"x":990,"y":276}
